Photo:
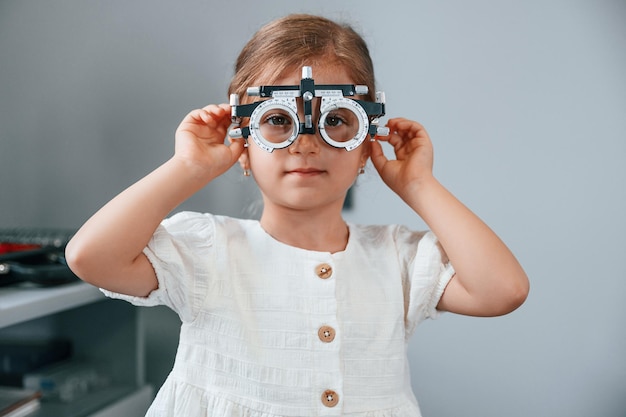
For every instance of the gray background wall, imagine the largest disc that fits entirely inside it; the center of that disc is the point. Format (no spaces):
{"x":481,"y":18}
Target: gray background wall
{"x":525,"y":102}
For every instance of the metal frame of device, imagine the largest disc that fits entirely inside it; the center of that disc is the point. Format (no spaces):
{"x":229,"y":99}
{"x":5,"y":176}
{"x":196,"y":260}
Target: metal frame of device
{"x":283,"y":97}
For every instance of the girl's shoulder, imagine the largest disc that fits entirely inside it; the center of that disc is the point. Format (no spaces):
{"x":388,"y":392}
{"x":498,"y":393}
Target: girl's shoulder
{"x":395,"y":233}
{"x":396,"y":239}
{"x":191,"y":220}
{"x":194,"y":227}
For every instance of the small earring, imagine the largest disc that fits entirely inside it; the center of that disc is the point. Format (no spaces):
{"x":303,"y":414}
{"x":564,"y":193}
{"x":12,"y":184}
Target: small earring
{"x":361,"y":170}
{"x":246,"y":172}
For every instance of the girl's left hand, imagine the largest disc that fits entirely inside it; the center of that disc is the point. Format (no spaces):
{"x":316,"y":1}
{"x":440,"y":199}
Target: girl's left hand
{"x":488,"y":280}
{"x":414,"y":156}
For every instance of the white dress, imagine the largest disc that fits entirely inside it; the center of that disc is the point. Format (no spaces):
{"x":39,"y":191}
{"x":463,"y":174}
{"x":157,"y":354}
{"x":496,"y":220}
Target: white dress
{"x":273,"y":330}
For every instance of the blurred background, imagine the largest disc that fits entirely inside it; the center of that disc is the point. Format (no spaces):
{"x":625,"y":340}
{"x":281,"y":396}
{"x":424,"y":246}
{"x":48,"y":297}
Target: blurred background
{"x":525,"y":103}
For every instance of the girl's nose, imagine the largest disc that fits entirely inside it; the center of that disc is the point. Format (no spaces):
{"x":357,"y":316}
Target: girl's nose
{"x":306,"y":143}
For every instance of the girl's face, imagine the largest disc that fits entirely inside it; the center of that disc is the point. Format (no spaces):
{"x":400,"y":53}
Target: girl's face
{"x":308,"y":174}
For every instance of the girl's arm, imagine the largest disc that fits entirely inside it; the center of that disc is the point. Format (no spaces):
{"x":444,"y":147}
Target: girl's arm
{"x":108,"y":249}
{"x":489,"y":281}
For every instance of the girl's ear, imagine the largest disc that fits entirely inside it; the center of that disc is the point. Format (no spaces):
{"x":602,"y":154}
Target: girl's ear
{"x":366,"y":152}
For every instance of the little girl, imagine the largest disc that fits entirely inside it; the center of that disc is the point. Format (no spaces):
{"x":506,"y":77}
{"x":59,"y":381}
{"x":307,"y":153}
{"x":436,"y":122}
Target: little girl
{"x":300,"y":313}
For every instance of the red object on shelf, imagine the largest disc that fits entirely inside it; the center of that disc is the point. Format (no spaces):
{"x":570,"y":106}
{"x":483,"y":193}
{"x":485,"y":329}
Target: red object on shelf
{"x":16,"y":247}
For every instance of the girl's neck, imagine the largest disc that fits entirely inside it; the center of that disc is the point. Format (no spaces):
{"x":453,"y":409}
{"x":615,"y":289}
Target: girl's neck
{"x":316,"y":232}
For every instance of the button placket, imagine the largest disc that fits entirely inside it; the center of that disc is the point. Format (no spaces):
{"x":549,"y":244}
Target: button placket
{"x":326,"y":356}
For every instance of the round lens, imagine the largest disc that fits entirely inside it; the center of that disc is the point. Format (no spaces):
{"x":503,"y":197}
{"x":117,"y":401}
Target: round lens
{"x":274,"y":123}
{"x":343,"y":122}
{"x":341,"y":125}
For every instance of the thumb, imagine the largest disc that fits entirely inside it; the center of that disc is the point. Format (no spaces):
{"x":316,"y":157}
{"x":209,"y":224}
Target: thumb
{"x":236,"y":147}
{"x":378,"y":156}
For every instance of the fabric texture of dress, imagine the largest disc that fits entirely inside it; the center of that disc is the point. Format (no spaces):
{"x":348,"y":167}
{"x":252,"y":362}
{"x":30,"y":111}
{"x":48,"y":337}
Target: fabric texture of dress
{"x":272,"y":330}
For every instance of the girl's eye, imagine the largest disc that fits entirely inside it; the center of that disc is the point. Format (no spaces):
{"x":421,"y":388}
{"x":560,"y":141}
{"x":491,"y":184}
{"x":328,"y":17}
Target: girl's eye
{"x":277,"y":120}
{"x":334,"y":120}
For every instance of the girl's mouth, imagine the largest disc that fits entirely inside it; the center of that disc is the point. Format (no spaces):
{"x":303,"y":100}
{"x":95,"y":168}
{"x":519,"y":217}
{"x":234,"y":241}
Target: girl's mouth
{"x":306,"y":172}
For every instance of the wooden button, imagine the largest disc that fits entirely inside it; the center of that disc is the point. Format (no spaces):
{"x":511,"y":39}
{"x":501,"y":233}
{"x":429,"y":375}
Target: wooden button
{"x":330,"y":398}
{"x":326,"y":334}
{"x":324,"y":271}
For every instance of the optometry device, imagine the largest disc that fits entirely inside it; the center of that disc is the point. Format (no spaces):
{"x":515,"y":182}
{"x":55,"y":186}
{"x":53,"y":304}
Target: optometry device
{"x":274,"y":123}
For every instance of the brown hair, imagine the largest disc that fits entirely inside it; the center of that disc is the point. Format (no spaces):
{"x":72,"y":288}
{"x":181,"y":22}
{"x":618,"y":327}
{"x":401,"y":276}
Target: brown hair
{"x":288,"y":43}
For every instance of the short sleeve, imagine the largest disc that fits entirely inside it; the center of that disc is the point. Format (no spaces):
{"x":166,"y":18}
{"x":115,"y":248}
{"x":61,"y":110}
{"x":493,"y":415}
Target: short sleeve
{"x":180,"y":252}
{"x":428,"y":272}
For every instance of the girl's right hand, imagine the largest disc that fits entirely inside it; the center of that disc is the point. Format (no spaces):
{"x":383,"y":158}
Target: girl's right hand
{"x":200,"y":141}
{"x":108,"y":250}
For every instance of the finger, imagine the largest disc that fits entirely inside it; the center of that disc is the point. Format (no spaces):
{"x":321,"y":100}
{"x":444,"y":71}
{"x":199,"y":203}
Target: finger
{"x":210,"y":113}
{"x":401,"y":123}
{"x":383,"y":138}
{"x":378,"y":156}
{"x":396,"y":139}
{"x":236,"y":147}
{"x":217,"y":108}
{"x":213,"y":117}
{"x":407,"y":128}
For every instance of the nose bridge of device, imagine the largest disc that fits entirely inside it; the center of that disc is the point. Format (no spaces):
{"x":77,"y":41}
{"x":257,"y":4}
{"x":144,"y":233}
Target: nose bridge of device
{"x":314,"y":109}
{"x":307,"y":140}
